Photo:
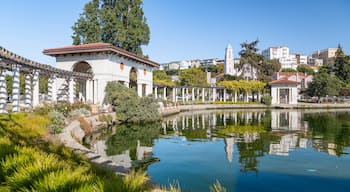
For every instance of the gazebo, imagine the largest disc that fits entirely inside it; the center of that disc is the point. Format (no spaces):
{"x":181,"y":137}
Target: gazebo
{"x":284,"y":91}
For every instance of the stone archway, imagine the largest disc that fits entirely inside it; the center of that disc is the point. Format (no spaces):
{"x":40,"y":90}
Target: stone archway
{"x":82,"y":90}
{"x":133,"y":78}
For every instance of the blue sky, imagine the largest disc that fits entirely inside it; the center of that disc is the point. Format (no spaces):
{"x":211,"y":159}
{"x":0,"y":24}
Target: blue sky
{"x":187,"y":29}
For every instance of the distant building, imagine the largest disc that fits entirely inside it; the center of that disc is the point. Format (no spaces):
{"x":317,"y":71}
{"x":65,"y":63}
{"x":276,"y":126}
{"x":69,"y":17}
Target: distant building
{"x":282,"y":54}
{"x":276,"y":52}
{"x":327,"y":55}
{"x":301,"y":59}
{"x":229,"y":66}
{"x":315,"y":62}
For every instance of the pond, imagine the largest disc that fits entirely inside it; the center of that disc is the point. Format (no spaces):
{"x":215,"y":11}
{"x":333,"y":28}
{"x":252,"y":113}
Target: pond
{"x":245,"y":150}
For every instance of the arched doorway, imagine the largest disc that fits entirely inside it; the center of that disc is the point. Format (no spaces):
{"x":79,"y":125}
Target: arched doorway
{"x":133,"y":78}
{"x":83,"y":93}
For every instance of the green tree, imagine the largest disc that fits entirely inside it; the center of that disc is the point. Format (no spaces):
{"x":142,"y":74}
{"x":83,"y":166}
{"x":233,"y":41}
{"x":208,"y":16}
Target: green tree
{"x":161,"y":75}
{"x":342,"y":65}
{"x":119,"y":22}
{"x":323,"y":84}
{"x":269,"y":67}
{"x":162,"y":78}
{"x":265,"y":68}
{"x":193,"y":77}
{"x":249,"y":54}
{"x":288,"y":70}
{"x":87,"y":29}
{"x":304,"y":68}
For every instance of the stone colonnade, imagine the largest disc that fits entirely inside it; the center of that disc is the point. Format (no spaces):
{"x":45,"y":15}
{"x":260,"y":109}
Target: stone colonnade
{"x":201,"y":94}
{"x":31,"y":96}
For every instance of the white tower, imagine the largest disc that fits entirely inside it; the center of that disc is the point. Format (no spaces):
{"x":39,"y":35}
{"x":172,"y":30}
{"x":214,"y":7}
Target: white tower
{"x":229,"y":66}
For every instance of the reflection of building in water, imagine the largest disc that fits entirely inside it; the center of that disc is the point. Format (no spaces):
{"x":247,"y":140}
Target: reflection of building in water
{"x":229,"y":148}
{"x":141,"y":151}
{"x":288,"y":143}
{"x":287,"y":120}
{"x":331,"y":149}
{"x":303,"y":143}
{"x":250,"y":137}
{"x":122,"y":159}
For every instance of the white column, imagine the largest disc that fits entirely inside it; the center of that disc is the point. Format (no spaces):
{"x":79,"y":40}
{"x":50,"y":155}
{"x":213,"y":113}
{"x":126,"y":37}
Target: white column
{"x":186,"y":94}
{"x":71,"y":90}
{"x":235,"y":96}
{"x":88,"y":90}
{"x":35,"y":84}
{"x":96,"y":91}
{"x":197,"y":96}
{"x":183,"y":94}
{"x":156,"y":92}
{"x":174,"y":94}
{"x":15,"y":89}
{"x":28,"y":91}
{"x":139,"y":89}
{"x":3,"y":92}
{"x":52,"y":89}
{"x":203,"y":94}
{"x":214,"y":94}
{"x":224,"y":95}
{"x":164,"y":93}
{"x":193,"y":96}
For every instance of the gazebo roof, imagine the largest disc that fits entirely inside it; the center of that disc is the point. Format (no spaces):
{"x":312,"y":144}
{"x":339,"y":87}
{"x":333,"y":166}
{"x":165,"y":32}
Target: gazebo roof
{"x":283,"y":82}
{"x":98,"y":47}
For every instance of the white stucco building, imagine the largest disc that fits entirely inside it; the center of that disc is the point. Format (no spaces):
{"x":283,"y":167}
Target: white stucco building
{"x":286,"y":86}
{"x":107,"y":63}
{"x":282,"y":54}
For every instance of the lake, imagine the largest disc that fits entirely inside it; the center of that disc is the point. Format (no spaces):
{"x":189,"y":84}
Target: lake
{"x":245,"y":150}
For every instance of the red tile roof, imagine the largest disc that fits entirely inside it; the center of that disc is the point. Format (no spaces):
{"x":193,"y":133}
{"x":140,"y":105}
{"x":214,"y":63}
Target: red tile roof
{"x":98,"y":47}
{"x":283,"y":82}
{"x":289,"y":74}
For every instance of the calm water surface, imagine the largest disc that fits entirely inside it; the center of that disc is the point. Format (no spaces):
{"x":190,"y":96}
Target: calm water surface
{"x":253,"y":150}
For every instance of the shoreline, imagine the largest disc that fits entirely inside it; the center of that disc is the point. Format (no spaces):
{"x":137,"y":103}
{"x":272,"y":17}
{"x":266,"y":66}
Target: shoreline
{"x":73,"y":134}
{"x":167,"y":111}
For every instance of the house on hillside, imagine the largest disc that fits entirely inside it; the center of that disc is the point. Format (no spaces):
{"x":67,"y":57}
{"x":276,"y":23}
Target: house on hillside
{"x":286,"y":87}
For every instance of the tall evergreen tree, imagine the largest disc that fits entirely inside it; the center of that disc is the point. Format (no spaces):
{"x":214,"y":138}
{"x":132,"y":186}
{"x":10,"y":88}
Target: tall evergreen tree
{"x":119,"y":22}
{"x":342,"y":65}
{"x":249,"y":54}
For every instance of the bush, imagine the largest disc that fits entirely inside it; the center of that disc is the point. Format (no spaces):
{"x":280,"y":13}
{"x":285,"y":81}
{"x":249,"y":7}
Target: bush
{"x":266,"y":99}
{"x":57,"y":121}
{"x":81,"y":112}
{"x":129,"y":107}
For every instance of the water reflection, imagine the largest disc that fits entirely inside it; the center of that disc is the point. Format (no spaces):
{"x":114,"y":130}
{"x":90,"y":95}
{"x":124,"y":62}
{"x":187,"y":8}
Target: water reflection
{"x":125,"y":144}
{"x":250,"y":134}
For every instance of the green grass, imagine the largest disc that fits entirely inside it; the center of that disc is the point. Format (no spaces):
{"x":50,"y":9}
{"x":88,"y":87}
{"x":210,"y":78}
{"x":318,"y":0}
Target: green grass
{"x":29,"y":163}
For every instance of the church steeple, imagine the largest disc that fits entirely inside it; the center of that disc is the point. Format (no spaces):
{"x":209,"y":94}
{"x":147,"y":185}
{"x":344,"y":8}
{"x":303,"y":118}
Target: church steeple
{"x":229,"y":68}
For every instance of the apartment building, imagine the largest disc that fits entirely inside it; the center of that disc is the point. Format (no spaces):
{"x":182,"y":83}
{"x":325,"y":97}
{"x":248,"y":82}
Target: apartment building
{"x":327,"y":55}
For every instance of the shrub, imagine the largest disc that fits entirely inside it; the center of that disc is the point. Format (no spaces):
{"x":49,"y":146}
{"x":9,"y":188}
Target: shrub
{"x":57,"y":121}
{"x":129,"y":107}
{"x":266,"y":99}
{"x":135,"y":181}
{"x":81,"y":112}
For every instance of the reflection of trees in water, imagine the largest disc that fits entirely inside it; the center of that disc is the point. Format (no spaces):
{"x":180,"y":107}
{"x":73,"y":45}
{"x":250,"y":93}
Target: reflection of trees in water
{"x":127,"y":135}
{"x":329,"y":131}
